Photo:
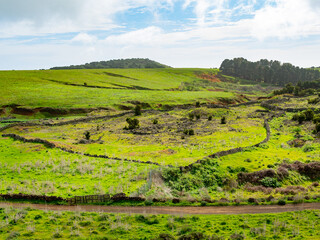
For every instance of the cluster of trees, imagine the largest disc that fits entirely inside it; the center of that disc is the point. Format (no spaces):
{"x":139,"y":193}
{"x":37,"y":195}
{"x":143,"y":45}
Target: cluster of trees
{"x":264,"y":71}
{"x":301,"y":89}
{"x":119,"y":63}
{"x":308,"y":115}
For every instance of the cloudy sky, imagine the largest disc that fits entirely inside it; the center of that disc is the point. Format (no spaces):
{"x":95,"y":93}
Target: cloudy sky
{"x":181,"y":33}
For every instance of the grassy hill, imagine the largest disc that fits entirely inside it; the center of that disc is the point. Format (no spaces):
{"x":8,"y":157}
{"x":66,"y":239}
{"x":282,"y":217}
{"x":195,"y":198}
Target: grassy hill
{"x":118,"y":63}
{"x":113,"y":87}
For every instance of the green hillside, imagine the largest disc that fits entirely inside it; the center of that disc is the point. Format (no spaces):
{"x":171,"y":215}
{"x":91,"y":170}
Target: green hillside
{"x":94,"y":88}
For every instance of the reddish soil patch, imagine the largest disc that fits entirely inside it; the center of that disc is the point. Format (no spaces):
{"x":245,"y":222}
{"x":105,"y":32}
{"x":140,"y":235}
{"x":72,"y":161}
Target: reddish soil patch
{"x":168,"y":151}
{"x":209,"y":76}
{"x":216,"y":90}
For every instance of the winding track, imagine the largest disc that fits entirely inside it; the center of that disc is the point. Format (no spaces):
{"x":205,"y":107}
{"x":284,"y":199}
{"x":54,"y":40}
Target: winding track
{"x":224,"y":210}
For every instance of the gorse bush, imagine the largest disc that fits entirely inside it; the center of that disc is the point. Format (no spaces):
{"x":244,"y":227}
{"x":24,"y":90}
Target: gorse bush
{"x":208,"y":174}
{"x":309,"y":114}
{"x":188,"y":132}
{"x":133,"y":123}
{"x":223,"y":120}
{"x":87,"y":135}
{"x":191,"y":116}
{"x":301,"y":118}
{"x":137,"y":110}
{"x":270,"y":182}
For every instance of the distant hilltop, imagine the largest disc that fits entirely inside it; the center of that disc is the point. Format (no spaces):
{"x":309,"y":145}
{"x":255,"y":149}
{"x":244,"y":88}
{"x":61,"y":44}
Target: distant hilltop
{"x":117,"y":63}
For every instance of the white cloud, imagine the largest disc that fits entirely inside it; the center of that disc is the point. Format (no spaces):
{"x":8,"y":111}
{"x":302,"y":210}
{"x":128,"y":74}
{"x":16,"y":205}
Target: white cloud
{"x":33,"y":17}
{"x":84,"y":38}
{"x":287,"y":18}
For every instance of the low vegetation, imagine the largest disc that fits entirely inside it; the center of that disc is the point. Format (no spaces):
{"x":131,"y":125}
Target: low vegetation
{"x":29,"y":223}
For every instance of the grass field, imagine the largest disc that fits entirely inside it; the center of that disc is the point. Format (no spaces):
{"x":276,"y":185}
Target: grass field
{"x":33,"y":169}
{"x":165,"y":142}
{"x":76,"y":88}
{"x":30,"y":224}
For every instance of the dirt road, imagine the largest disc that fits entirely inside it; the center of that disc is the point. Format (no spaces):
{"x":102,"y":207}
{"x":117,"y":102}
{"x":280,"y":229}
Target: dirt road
{"x":171,"y":210}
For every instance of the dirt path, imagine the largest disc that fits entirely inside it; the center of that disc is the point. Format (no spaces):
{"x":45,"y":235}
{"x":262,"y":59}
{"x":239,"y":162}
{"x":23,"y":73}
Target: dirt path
{"x":225,"y":210}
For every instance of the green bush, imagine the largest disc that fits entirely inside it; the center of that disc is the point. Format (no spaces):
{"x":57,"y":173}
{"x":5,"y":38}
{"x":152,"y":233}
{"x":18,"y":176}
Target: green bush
{"x":137,"y":110}
{"x":188,"y":132}
{"x":155,"y":121}
{"x":133,"y":123}
{"x":270,"y":182}
{"x":282,"y":202}
{"x":308,"y":148}
{"x":191,"y":116}
{"x":309,"y":114}
{"x":301,"y":118}
{"x":295,"y":117}
{"x":223,"y":120}
{"x":87,"y":135}
{"x":316,"y":119}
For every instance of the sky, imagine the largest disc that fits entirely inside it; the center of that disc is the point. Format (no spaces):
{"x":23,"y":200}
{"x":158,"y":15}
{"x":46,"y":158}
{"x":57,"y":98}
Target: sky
{"x":39,"y":34}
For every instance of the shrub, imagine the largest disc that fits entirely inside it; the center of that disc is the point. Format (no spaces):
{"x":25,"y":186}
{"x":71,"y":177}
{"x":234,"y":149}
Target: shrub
{"x":297,"y":130}
{"x":295,"y":117}
{"x":309,"y":114}
{"x":210,"y":118}
{"x":137,"y":110}
{"x":191,"y":116}
{"x":155,"y":121}
{"x":223,"y":120}
{"x":37,"y":217}
{"x":87,"y":135}
{"x":301,"y":118}
{"x":85,"y":223}
{"x":308,"y":148}
{"x":133,"y":123}
{"x":185,"y":229}
{"x":203,"y":203}
{"x":57,"y":235}
{"x":197,"y":104}
{"x":148,"y":202}
{"x":198,"y":116}
{"x":270,"y":182}
{"x":316,"y":119}
{"x":282,"y":202}
{"x":317,"y":127}
{"x":188,"y":132}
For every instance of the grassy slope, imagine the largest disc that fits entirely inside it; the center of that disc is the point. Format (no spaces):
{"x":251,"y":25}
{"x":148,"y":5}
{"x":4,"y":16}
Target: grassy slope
{"x":27,"y":224}
{"x":33,"y":169}
{"x":32,"y":88}
{"x":167,"y":145}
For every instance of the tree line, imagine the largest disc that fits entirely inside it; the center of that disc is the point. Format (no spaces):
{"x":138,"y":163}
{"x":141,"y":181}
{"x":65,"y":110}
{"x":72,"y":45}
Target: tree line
{"x":265,"y":71}
{"x":117,"y":63}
